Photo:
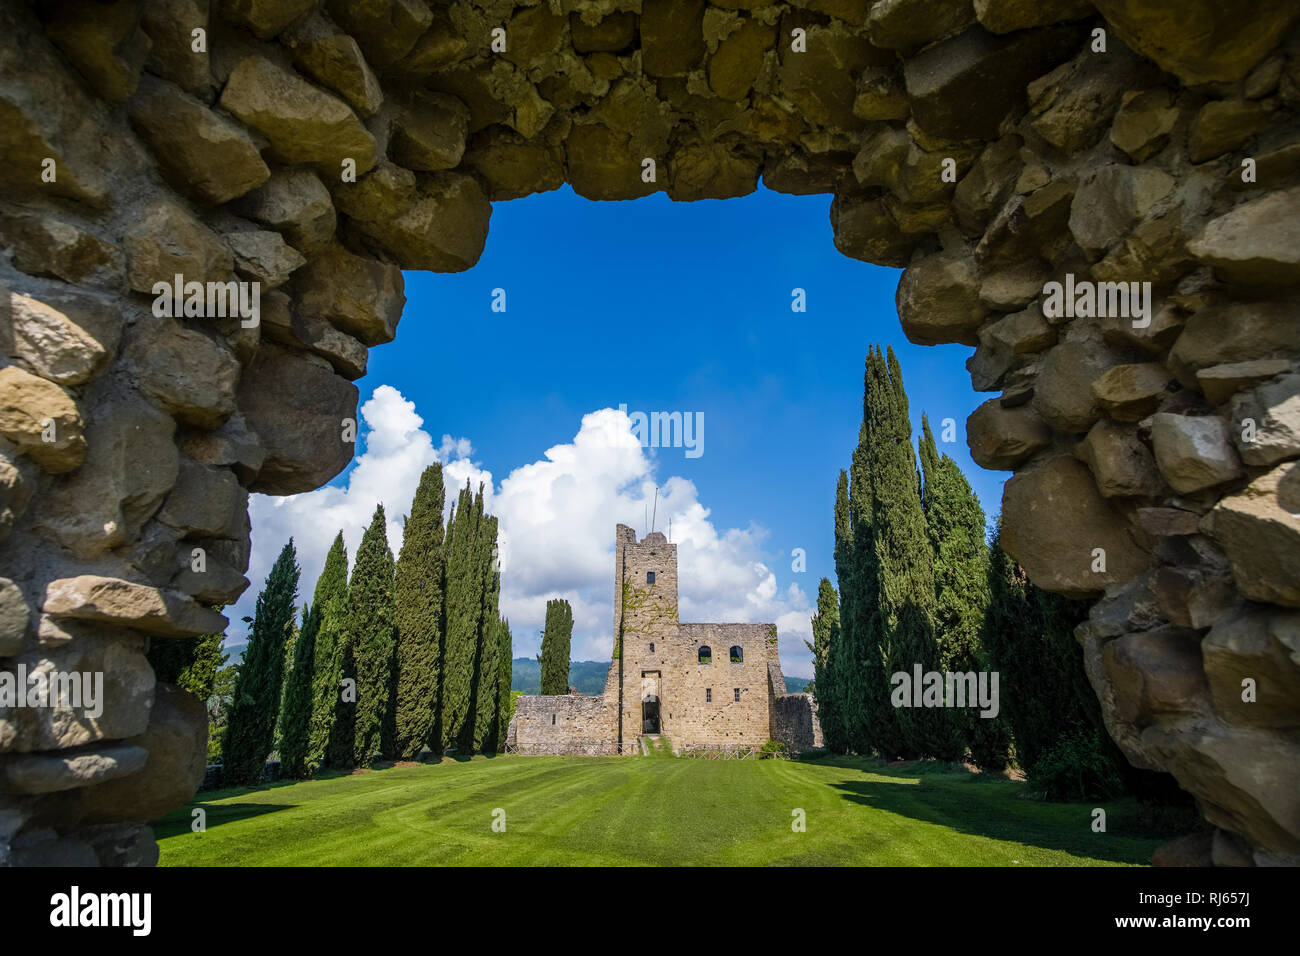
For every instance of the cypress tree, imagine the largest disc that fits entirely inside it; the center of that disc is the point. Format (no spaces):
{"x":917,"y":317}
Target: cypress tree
{"x":295,"y":710}
{"x":464,"y":605}
{"x":370,"y":616}
{"x":505,"y":658}
{"x":826,"y":634}
{"x":484,"y":690}
{"x":955,"y":522}
{"x":322,"y":623}
{"x":250,"y":732}
{"x":419,"y":625}
{"x":190,"y":665}
{"x":556,"y":638}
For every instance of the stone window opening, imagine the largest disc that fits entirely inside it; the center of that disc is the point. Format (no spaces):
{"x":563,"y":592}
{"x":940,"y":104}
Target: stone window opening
{"x":737,"y":654}
{"x":706,"y":654}
{"x":652,"y":647}
{"x":737,"y":695}
{"x":552,"y":720}
{"x":708,"y":695}
{"x":649,"y":577}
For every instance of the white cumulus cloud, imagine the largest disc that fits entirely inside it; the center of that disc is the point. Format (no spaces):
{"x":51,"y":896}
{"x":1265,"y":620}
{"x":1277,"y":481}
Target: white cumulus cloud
{"x":556,"y":518}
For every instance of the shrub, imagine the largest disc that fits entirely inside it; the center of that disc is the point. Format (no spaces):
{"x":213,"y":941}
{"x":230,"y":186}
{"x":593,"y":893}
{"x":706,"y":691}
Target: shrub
{"x":771,"y":749}
{"x":1076,"y":767}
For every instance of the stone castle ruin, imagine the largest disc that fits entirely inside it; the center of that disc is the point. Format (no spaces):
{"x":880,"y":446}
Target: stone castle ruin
{"x":989,"y":148}
{"x":712,"y":686}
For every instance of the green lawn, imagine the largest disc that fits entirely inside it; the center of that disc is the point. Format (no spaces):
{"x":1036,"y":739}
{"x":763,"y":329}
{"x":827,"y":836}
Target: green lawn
{"x":610,"y":811}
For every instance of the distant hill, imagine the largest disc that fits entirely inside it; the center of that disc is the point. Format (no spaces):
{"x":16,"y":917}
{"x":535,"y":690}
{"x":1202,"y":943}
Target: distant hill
{"x":796,"y":685}
{"x":587,"y":677}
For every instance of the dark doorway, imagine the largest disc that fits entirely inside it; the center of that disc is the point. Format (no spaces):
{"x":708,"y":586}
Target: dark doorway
{"x":649,"y":716}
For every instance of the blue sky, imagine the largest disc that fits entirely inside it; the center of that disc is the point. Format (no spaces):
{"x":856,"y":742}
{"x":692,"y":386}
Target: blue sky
{"x":659,"y":306}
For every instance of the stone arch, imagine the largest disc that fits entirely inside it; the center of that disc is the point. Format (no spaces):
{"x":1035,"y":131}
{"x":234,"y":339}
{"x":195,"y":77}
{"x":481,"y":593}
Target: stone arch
{"x":989,"y":147}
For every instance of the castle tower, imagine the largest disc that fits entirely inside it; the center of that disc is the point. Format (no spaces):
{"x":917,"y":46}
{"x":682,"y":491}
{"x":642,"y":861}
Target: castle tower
{"x":645,"y":630}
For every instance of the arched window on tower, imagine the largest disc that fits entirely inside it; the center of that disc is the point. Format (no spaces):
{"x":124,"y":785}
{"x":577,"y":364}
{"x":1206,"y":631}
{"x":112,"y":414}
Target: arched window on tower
{"x":737,"y":654}
{"x":706,"y":654}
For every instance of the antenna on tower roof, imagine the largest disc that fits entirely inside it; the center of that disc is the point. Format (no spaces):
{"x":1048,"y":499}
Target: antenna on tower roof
{"x":656,"y":511}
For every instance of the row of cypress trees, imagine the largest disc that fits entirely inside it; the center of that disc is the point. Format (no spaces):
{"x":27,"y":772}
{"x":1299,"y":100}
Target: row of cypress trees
{"x":557,"y":638}
{"x":403,"y":654}
{"x":919,"y":584}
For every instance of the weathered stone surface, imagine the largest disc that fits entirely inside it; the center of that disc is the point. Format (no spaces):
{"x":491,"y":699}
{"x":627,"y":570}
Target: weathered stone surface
{"x":167,"y":241}
{"x":176,"y":740}
{"x":126,"y":844}
{"x":231,"y":445}
{"x":123,"y":706}
{"x":205,"y":501}
{"x":383,"y":193}
{"x":1190,"y":850}
{"x":1007,"y":16}
{"x":17,"y":480}
{"x":961,"y":88}
{"x":296,"y":203}
{"x":609,"y":34}
{"x":297,"y":410}
{"x":14,"y":618}
{"x":92,"y":597}
{"x":385,"y":29}
{"x":1121,"y":464}
{"x":1129,"y":393}
{"x":988,"y":184}
{"x":911,"y":24}
{"x":1193,"y":453}
{"x":672,"y":36}
{"x":443,"y":230}
{"x":1155,"y":674}
{"x":360,"y":296}
{"x":191,"y":374}
{"x":1000,"y":438}
{"x":264,"y":256}
{"x":1261,"y":645}
{"x":1256,"y":243}
{"x":1261,"y":539}
{"x":1053,"y":520}
{"x":56,"y":345}
{"x":302,"y":123}
{"x":1274,"y":409}
{"x":1028,"y":227}
{"x":819,"y":82}
{"x":1143,"y":123}
{"x":735,"y":65}
{"x":103,"y":41}
{"x":710,"y":171}
{"x":45,"y":246}
{"x":1238,"y":332}
{"x":131,"y":466}
{"x":1220,"y":382}
{"x":1224,"y":125}
{"x":512,"y":166}
{"x":938,"y":301}
{"x":1072,"y":106}
{"x":332,"y":58}
{"x":1111,"y":201}
{"x":881,"y":95}
{"x":52,"y":772}
{"x":1063,"y":390}
{"x":1004,"y":342}
{"x":1200,"y":41}
{"x":1162,"y":522}
{"x":32,"y":409}
{"x":199,"y":151}
{"x":170,"y":25}
{"x":264,"y":18}
{"x":346,"y":354}
{"x":429,"y":132}
{"x":1194,"y":597}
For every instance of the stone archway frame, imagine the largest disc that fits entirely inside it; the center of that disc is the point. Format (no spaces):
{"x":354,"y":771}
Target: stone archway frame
{"x":989,"y":148}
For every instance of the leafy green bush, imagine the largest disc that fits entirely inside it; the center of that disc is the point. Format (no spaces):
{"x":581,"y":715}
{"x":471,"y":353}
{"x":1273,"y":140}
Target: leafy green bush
{"x":1076,"y":767}
{"x":771,"y":749}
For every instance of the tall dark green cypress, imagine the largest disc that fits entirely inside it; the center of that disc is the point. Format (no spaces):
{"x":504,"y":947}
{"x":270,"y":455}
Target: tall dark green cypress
{"x":826,"y":634}
{"x":250,"y":732}
{"x":484,"y":690}
{"x":955,"y":522}
{"x":905,"y":597}
{"x":505,"y":658}
{"x":295,"y":711}
{"x":556,"y":640}
{"x":419,"y":584}
{"x":328,"y":670}
{"x":370,"y":616}
{"x":464,"y":604}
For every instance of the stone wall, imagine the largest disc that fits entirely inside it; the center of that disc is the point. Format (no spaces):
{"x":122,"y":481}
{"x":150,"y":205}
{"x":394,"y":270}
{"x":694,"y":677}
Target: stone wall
{"x":568,"y":726}
{"x":795,"y":724}
{"x":988,"y":147}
